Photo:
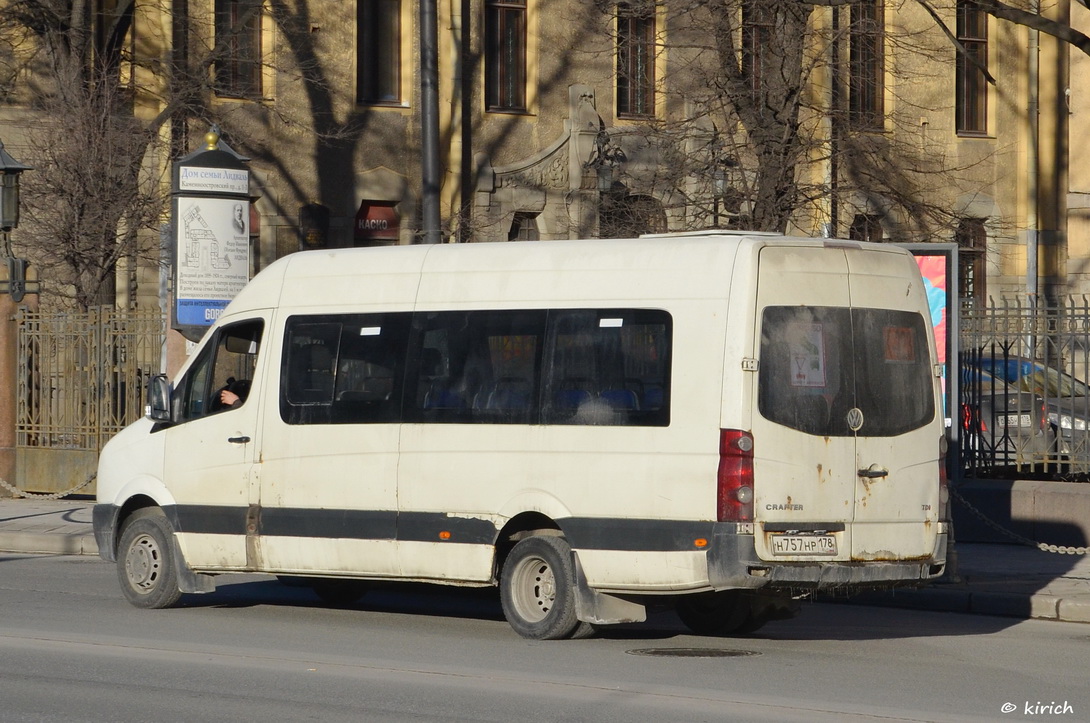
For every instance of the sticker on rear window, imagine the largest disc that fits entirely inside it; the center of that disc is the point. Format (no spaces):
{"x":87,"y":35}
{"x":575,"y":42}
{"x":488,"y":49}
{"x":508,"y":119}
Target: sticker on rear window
{"x":900,"y":344}
{"x":807,"y":345}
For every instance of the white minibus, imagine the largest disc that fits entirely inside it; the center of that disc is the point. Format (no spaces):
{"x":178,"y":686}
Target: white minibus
{"x":719,"y":422}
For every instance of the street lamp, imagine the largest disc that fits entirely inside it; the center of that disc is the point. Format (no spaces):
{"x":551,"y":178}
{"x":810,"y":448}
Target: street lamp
{"x":16,"y":283}
{"x":9,"y":195}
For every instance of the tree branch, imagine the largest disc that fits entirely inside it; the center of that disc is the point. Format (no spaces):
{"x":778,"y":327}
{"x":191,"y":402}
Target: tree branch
{"x":955,"y":42}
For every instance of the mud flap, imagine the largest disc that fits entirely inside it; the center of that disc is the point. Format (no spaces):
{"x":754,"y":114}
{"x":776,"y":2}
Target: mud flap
{"x":189,"y":581}
{"x":601,"y":608}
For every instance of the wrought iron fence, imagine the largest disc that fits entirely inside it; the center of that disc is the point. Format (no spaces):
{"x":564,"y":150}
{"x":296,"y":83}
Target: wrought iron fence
{"x":82,"y":375}
{"x":1024,"y":407}
{"x":1024,"y":404}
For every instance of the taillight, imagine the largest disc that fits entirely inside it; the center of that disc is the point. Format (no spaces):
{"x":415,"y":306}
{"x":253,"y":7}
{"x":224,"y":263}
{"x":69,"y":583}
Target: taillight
{"x":735,"y":481}
{"x":971,"y":418}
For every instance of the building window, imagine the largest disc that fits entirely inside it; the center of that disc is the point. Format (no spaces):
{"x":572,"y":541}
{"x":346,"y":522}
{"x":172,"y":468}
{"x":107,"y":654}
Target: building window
{"x":865,"y":227}
{"x":972,"y":240}
{"x":505,"y":55}
{"x":631,"y":216}
{"x":635,"y":61}
{"x":523,"y":227}
{"x":757,"y":29}
{"x":378,"y":51}
{"x":971,"y":86}
{"x":238,"y":47}
{"x":866,"y":104}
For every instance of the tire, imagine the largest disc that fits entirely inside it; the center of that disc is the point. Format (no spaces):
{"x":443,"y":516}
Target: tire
{"x":537,"y":590}
{"x":293,"y":581}
{"x":339,"y":593}
{"x":716,"y":613}
{"x":145,"y":561}
{"x":753,"y":622}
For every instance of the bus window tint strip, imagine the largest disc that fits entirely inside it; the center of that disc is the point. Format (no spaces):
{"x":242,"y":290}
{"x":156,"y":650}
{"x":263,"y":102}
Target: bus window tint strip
{"x":531,"y":366}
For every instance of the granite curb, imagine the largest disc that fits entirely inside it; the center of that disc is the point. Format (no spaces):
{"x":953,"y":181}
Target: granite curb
{"x":45,"y":543}
{"x":1073,"y":608}
{"x":51,"y":527}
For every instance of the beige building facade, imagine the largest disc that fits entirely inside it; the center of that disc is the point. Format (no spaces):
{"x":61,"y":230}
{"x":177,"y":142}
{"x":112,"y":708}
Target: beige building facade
{"x":573,"y":119}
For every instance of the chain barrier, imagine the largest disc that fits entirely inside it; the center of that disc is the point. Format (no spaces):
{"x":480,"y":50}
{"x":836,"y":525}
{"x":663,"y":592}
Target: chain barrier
{"x":1044,"y":546}
{"x":54,"y":496}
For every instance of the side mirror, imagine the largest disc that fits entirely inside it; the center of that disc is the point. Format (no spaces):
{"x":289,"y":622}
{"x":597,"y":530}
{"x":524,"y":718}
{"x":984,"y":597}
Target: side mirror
{"x":158,"y":399}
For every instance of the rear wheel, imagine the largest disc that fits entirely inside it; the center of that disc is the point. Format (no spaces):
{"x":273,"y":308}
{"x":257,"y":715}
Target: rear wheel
{"x":145,"y":561}
{"x":339,"y":592}
{"x":537,"y":590}
{"x":716,"y":613}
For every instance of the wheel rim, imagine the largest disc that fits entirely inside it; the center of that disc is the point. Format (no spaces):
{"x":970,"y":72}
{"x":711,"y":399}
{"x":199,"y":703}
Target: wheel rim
{"x":534,"y":589}
{"x":143,"y":563}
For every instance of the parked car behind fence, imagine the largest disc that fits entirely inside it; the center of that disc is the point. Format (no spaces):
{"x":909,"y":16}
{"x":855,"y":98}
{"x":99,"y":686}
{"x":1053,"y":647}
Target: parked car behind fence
{"x":1065,"y":398}
{"x":1005,"y":431}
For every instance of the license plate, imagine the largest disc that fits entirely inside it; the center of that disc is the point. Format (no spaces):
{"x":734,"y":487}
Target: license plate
{"x":1014,"y":420}
{"x":803,"y":545}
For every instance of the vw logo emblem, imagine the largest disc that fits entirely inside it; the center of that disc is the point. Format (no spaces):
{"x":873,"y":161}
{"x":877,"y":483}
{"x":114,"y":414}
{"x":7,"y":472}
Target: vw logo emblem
{"x":855,"y":418}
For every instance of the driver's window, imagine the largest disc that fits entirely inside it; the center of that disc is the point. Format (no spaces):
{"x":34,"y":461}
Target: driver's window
{"x":225,"y":363}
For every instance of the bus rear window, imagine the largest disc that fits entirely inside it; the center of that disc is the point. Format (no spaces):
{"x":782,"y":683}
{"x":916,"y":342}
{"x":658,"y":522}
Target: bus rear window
{"x":817,"y":363}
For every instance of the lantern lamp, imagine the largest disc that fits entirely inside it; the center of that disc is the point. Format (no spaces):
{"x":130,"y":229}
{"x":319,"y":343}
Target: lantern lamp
{"x":10,"y":169}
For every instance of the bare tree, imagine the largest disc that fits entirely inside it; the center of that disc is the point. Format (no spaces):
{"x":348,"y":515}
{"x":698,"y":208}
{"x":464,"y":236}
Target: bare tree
{"x":92,"y":198}
{"x":763,"y":128}
{"x":110,"y":113}
{"x":762,"y":132}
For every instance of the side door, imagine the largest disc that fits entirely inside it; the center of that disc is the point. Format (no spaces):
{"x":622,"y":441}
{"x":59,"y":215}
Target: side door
{"x":210,"y":449}
{"x":330,"y":445}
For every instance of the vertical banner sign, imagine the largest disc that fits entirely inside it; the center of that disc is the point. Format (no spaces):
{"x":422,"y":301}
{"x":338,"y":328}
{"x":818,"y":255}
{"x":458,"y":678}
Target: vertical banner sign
{"x":211,"y":208}
{"x":938,"y":266}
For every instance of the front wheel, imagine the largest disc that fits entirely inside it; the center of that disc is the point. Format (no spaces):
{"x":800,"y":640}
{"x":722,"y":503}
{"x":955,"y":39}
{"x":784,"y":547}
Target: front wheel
{"x":537,"y":589}
{"x":145,"y":561}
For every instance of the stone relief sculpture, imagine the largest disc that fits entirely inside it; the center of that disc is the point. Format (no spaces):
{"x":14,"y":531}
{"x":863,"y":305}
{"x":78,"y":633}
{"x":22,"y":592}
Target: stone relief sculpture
{"x":557,"y":186}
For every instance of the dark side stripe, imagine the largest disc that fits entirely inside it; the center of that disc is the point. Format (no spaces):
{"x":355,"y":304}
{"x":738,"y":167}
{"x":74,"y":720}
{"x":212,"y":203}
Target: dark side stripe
{"x":586,"y":533}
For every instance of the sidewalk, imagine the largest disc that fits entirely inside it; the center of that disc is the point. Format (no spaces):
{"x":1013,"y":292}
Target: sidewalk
{"x":47,"y":526}
{"x":994,"y":579}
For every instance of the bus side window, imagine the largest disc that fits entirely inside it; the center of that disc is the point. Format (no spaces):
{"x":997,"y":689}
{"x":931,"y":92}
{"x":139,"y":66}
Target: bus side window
{"x":343,"y":368}
{"x":607,"y":367}
{"x":476,"y":367}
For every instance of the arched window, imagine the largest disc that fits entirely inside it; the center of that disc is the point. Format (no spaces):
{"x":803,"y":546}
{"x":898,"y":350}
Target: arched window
{"x":632,"y":216}
{"x":865,"y":227}
{"x":972,"y":240}
{"x":523,"y":227}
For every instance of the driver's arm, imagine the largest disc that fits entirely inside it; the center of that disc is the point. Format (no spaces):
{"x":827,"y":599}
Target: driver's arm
{"x":229,"y":399}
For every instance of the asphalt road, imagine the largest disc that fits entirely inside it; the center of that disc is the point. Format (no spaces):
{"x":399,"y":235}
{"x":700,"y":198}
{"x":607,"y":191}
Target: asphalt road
{"x":71,"y":649}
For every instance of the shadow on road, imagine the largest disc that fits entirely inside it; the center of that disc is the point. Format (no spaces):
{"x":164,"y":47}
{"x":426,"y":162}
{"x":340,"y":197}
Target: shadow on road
{"x":817,"y":621}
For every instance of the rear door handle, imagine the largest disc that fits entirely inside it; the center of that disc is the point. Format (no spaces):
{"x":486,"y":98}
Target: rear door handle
{"x":873,"y":472}
{"x":238,"y":440}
